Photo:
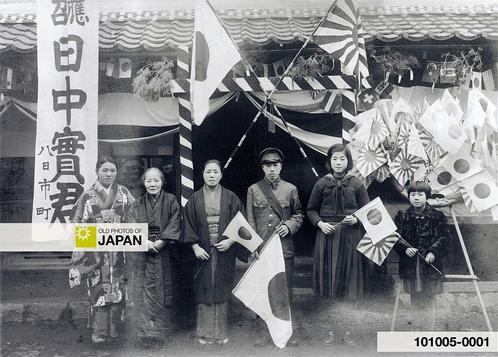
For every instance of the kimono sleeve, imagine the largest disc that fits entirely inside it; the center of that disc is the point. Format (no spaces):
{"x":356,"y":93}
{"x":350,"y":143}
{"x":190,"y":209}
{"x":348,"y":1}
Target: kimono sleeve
{"x":190,"y":232}
{"x":250,"y":207}
{"x":172,"y":230}
{"x":78,"y":211}
{"x":241,"y":252}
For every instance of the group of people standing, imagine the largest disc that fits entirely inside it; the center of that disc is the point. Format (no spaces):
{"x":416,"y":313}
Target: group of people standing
{"x":272,"y":206}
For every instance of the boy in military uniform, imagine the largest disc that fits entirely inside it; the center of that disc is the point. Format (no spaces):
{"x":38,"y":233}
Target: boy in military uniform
{"x":273,"y":206}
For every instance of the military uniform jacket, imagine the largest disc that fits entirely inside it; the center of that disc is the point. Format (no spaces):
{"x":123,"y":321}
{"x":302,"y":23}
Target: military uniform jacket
{"x":264,"y":218}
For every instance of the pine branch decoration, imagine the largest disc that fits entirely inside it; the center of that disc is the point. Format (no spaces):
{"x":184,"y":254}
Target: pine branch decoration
{"x":153,"y":80}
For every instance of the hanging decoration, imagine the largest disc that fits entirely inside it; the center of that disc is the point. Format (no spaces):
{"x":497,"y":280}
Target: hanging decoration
{"x":457,"y":65}
{"x":396,"y":63}
{"x":153,"y":80}
{"x":19,"y":76}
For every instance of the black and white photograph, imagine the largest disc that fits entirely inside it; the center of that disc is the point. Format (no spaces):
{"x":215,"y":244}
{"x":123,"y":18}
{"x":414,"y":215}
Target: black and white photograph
{"x":248,"y":178}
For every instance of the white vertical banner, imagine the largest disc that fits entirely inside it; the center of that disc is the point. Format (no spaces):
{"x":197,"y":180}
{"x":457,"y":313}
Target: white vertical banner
{"x":66,"y":130}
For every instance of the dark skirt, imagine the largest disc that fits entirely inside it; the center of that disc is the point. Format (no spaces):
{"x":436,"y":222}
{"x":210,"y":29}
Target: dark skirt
{"x":152,"y":295}
{"x":339,"y":270}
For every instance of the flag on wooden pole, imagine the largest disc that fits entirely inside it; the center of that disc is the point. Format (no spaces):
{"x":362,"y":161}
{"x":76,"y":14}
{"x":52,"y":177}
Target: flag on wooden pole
{"x":214,"y":54}
{"x":263,"y":289}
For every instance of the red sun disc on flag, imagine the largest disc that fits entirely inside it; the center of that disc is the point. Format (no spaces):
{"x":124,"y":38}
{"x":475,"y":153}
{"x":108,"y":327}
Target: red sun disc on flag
{"x":201,"y":57}
{"x":482,"y":191}
{"x":461,"y":166}
{"x":374,"y":216}
{"x":125,"y":66}
{"x":244,"y":233}
{"x":444,"y":178}
{"x":278,"y":296}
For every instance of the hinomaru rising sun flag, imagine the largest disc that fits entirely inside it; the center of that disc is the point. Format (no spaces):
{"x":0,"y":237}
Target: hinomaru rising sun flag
{"x":240,"y":231}
{"x":263,"y":289}
{"x":214,"y":54}
{"x":482,"y":190}
{"x":377,"y":252}
{"x":376,"y":220}
{"x":67,"y":113}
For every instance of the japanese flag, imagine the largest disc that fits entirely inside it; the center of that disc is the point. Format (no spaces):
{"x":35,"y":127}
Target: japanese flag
{"x":213,"y":56}
{"x":376,"y":220}
{"x":240,"y":231}
{"x":446,"y":129}
{"x":124,"y":68}
{"x":476,"y":78}
{"x":461,"y":165}
{"x":482,"y":190}
{"x":440,"y":179}
{"x":263,"y":289}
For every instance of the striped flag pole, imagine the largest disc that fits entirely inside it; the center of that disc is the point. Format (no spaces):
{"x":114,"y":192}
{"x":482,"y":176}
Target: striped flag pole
{"x":296,"y":141}
{"x":348,"y":113}
{"x":281,"y":78}
{"x":186,"y":161}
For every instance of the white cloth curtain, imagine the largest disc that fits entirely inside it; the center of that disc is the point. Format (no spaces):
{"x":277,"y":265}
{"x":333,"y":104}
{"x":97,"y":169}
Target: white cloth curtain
{"x":298,"y":101}
{"x":317,"y":142}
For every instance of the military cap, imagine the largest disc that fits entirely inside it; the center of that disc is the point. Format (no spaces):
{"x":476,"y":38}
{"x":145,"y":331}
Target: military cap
{"x":270,"y":155}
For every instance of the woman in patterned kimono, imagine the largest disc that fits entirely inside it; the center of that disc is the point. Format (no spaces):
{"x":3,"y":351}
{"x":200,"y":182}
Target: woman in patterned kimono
{"x":206,"y":216}
{"x":104,"y":202}
{"x":153,"y":274}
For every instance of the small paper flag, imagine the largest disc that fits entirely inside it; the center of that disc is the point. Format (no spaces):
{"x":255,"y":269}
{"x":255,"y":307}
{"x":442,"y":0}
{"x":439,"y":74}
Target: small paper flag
{"x":376,"y":220}
{"x":370,"y":160}
{"x":377,"y":252}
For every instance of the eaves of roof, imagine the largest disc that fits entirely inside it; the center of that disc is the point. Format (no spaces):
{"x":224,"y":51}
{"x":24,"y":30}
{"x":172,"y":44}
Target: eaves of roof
{"x":161,"y":30}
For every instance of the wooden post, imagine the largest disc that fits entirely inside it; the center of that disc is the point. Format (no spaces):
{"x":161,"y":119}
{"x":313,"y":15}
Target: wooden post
{"x":471,"y":271}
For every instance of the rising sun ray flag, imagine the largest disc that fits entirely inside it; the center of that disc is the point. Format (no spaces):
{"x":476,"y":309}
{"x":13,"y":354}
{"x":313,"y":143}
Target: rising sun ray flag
{"x":377,"y":252}
{"x":370,"y":160}
{"x":341,"y":35}
{"x":213,"y":55}
{"x":404,"y":166}
{"x":263,"y":289}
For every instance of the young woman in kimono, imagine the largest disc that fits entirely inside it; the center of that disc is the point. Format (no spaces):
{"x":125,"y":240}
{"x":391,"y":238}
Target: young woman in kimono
{"x":104,"y":202}
{"x":424,"y":231}
{"x":153,"y":270}
{"x":339,"y":270}
{"x":206,"y":216}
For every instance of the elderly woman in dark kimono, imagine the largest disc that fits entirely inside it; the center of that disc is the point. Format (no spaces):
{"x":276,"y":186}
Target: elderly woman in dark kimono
{"x":104,"y":202}
{"x":206,"y":216}
{"x":152,"y":272}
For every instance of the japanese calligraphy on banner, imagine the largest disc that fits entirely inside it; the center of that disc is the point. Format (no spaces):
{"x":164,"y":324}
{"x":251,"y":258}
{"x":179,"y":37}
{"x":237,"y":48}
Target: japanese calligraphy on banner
{"x":66,"y":131}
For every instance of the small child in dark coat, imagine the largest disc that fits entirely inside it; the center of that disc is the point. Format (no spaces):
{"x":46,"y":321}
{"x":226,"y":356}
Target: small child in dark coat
{"x":424,"y":231}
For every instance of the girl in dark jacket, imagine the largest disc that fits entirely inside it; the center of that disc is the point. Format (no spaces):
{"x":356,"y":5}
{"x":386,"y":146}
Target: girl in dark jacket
{"x":425,"y":234}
